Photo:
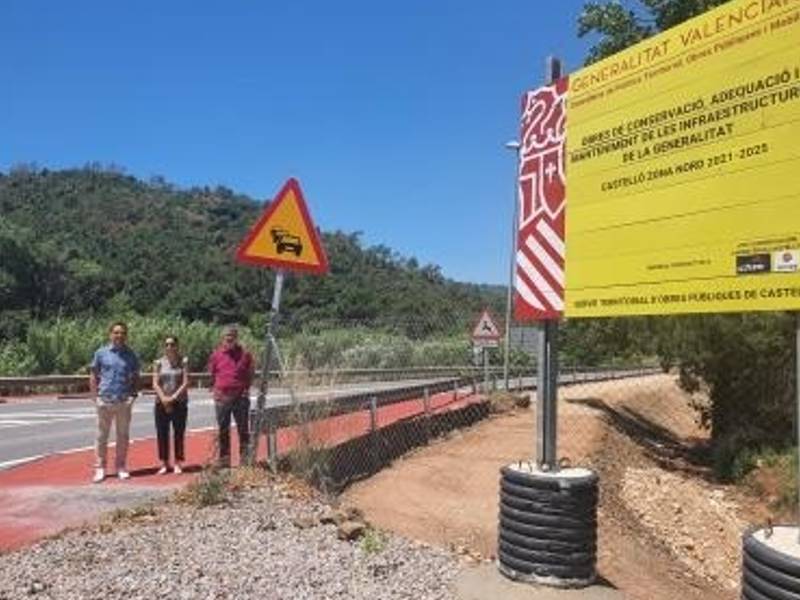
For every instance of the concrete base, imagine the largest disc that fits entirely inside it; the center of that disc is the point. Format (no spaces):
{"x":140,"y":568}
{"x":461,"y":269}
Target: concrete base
{"x":485,"y":582}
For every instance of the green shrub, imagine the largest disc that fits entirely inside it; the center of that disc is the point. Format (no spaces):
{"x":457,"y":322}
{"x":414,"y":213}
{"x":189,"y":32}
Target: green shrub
{"x":744,"y":364}
{"x":361,"y":347}
{"x":373,"y":541}
{"x":451,"y":351}
{"x":209,"y":489}
{"x":769,"y":473}
{"x":64,"y":346}
{"x":750,"y":459}
{"x":316,"y":350}
{"x":378,"y":351}
{"x":16,"y":360}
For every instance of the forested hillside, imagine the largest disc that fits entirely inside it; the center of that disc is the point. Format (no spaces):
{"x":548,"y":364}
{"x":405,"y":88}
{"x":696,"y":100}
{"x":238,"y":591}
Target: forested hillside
{"x":95,"y":241}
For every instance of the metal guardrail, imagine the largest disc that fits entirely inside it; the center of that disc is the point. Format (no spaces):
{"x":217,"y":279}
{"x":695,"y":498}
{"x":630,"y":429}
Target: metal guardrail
{"x":75,"y":383}
{"x":282,"y":415}
{"x":44,"y":383}
{"x":43,"y":380}
{"x":286,"y":414}
{"x":308,"y":410}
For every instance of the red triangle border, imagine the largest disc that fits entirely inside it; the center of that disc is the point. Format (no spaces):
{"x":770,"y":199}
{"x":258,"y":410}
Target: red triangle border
{"x":292,"y":185}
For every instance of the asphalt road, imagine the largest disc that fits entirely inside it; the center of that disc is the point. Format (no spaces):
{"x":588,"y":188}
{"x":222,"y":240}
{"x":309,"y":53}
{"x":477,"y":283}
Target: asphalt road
{"x":33,"y":428}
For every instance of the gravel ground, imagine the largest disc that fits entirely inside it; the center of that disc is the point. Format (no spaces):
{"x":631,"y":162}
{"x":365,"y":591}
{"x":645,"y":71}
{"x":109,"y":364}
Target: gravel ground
{"x":264,"y":544}
{"x":694,"y":519}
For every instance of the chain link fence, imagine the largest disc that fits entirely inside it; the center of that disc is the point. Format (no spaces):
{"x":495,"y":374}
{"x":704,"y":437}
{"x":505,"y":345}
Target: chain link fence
{"x":361,"y":394}
{"x":720,"y":400}
{"x":699,"y":394}
{"x":348,"y":397}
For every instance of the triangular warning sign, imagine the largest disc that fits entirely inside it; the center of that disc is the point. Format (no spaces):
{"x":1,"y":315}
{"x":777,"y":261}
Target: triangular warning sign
{"x":485,"y":328}
{"x":285,"y":237}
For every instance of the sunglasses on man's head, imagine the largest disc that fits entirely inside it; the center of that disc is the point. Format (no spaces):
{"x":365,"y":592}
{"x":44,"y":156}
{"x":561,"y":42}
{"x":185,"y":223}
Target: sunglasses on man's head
{"x":170,"y":344}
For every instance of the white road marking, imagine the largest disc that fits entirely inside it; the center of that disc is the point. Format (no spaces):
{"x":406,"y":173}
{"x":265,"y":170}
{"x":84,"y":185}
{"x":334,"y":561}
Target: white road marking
{"x":20,"y":461}
{"x":27,"y":419}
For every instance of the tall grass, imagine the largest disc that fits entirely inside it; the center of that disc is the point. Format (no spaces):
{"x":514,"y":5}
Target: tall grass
{"x":364,"y":347}
{"x":66,"y":346}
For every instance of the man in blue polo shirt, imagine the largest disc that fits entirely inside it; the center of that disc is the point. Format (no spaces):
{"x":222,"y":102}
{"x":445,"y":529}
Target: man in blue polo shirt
{"x":113,"y":380}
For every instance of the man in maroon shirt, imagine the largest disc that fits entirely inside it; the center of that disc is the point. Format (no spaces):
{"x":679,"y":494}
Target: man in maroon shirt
{"x":231,"y":368}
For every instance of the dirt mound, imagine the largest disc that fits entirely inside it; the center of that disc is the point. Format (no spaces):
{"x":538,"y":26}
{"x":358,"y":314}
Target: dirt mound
{"x":706,"y":542}
{"x":664,"y":531}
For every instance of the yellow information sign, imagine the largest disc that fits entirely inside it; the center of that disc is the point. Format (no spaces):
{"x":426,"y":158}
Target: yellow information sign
{"x":683,"y":169}
{"x":285,"y":237}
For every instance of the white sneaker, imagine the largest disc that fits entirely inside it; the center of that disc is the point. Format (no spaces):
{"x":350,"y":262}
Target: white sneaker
{"x":177,"y":470}
{"x":123,"y":474}
{"x":162,"y":471}
{"x":99,"y":475}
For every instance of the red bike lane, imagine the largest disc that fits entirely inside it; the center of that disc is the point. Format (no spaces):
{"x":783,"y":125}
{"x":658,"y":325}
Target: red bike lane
{"x":47,"y":495}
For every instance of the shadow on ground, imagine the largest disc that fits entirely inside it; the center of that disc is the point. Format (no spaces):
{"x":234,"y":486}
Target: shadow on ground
{"x":149,"y":471}
{"x":691,"y":456}
{"x":334,"y":469}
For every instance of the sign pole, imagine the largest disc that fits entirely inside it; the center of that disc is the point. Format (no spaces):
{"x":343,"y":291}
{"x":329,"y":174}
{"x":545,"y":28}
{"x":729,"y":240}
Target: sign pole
{"x":551,"y":414}
{"x":485,"y":352}
{"x":546,"y":411}
{"x":269,"y":342}
{"x":285,"y":239}
{"x":512,"y":266}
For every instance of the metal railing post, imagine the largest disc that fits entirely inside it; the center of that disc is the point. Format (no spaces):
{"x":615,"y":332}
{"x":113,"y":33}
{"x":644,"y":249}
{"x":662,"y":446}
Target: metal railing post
{"x":373,"y":433}
{"x":373,"y":414}
{"x":485,"y":370}
{"x":426,"y":405}
{"x":272,"y":444}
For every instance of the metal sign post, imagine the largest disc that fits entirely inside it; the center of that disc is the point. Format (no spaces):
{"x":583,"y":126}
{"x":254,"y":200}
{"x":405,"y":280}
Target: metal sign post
{"x":260,"y":422}
{"x":485,"y":352}
{"x":284,"y":238}
{"x":547,"y":388}
{"x":515,"y":146}
{"x":547,"y":392}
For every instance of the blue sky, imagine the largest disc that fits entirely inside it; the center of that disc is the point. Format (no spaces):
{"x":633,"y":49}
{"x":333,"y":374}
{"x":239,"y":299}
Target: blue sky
{"x":393,"y":115}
